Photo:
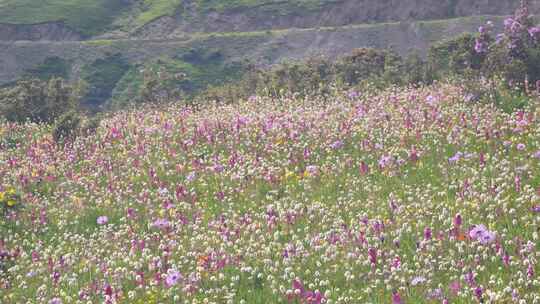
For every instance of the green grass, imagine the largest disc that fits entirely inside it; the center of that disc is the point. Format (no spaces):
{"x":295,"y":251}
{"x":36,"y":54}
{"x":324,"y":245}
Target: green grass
{"x":221,"y":5}
{"x":153,"y":9}
{"x":90,"y":17}
{"x":85,"y":16}
{"x":102,"y":76}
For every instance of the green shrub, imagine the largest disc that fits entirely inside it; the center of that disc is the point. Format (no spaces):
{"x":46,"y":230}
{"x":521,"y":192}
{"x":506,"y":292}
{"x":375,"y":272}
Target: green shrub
{"x":362,"y":64}
{"x":37,"y":100}
{"x":67,"y":126}
{"x":89,"y":125}
{"x":454,"y":56}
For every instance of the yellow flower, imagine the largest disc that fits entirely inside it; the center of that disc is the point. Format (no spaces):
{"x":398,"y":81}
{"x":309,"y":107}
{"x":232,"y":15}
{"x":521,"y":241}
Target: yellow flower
{"x":11,"y":191}
{"x":2,"y":196}
{"x":288,"y":174}
{"x":11,"y":203}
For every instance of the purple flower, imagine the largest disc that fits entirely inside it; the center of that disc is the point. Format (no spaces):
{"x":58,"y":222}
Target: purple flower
{"x":454,"y":159}
{"x":479,"y":46}
{"x":520,"y":146}
{"x":418,"y":280}
{"x":487,"y":238}
{"x":191,"y":177}
{"x":427,"y":233}
{"x":478,"y":292}
{"x":477,"y":231}
{"x":173,"y":276}
{"x":534,"y":31}
{"x":508,"y":22}
{"x":537,"y":154}
{"x":536,"y":209}
{"x":102,"y":220}
{"x":353,"y":94}
{"x":457,"y":220}
{"x":312,"y":170}
{"x":55,"y":301}
{"x":499,"y":38}
{"x":337,"y":145}
{"x":431,"y":100}
{"x":482,"y":234}
{"x":436,"y":294}
{"x":218,"y":168}
{"x":161,"y":223}
{"x":385,"y":161}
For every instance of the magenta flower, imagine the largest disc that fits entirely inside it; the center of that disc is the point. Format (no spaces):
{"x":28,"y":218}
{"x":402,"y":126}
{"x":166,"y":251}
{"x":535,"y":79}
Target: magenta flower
{"x":478,"y":292}
{"x":457,"y":220}
{"x":372,"y":253}
{"x":396,"y":298}
{"x":102,"y":220}
{"x":427,"y":234}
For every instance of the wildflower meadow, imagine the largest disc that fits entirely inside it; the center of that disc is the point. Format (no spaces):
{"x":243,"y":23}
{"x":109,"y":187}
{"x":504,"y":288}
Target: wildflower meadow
{"x":409,"y":195}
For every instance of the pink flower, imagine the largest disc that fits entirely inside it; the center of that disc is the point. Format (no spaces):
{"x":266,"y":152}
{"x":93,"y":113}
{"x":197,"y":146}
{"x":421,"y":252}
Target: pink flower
{"x":455,"y":287}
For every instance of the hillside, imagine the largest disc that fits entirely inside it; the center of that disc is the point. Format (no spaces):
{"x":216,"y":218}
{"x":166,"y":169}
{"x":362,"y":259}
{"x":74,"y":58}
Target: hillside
{"x":404,"y":196}
{"x":158,"y":18}
{"x":94,"y":59}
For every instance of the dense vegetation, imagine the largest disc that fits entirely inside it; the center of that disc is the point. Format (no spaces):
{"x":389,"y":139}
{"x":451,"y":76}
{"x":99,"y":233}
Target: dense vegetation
{"x":369,"y":179}
{"x":406,"y":195}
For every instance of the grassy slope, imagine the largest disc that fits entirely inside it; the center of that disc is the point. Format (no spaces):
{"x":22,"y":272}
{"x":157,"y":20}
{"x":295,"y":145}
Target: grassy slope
{"x":88,"y":17}
{"x":94,"y":16}
{"x":279,"y":214}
